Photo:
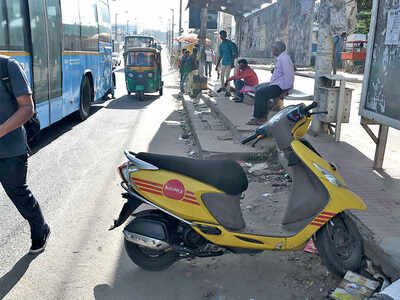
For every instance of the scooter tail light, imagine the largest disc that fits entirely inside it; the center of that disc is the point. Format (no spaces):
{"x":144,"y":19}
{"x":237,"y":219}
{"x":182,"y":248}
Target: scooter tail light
{"x":121,"y":169}
{"x":125,"y":171}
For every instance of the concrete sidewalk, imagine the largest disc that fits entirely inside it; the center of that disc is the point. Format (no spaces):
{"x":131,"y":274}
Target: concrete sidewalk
{"x":380,"y":224}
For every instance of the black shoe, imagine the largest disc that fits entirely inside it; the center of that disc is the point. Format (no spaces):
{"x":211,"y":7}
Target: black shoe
{"x":38,"y":246}
{"x":220,"y":90}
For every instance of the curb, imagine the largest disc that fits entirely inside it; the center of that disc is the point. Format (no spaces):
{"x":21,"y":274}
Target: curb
{"x":206,"y":154}
{"x":236,"y":134}
{"x":375,"y":252}
{"x":263,"y":145}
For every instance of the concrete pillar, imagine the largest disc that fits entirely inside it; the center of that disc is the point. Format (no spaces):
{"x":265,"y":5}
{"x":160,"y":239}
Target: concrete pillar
{"x":324,"y":58}
{"x":180,"y":27}
{"x":238,"y":20}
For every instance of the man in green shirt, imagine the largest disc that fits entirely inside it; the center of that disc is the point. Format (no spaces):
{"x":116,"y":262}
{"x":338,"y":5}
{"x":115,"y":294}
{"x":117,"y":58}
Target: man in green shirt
{"x":227,"y":54}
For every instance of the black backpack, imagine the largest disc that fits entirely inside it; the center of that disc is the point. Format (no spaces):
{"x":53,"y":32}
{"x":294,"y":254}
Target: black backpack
{"x":32,"y":126}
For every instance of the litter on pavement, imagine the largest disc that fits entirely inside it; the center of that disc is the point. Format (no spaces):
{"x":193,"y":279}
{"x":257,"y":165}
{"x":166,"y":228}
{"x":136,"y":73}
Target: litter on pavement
{"x":310,"y":247}
{"x":258,"y":167}
{"x":354,"y":287}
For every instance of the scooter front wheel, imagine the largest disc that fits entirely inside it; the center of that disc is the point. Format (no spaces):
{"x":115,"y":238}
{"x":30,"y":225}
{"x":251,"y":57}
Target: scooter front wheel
{"x":340,"y":245}
{"x":148,"y":259}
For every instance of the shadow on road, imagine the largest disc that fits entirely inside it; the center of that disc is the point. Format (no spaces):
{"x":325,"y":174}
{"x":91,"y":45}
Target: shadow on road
{"x":9,"y":280}
{"x":131,"y":102}
{"x":50,"y":134}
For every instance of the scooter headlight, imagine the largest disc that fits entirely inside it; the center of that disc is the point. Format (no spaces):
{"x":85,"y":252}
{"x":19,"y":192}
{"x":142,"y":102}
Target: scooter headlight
{"x":328,"y":175}
{"x":150,"y":75}
{"x":130,"y":75}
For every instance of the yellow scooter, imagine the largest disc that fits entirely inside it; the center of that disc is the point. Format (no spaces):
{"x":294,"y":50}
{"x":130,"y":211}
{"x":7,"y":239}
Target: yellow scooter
{"x":197,"y":204}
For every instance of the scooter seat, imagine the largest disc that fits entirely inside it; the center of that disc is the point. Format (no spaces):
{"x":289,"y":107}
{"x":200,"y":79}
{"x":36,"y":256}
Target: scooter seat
{"x":226,"y":175}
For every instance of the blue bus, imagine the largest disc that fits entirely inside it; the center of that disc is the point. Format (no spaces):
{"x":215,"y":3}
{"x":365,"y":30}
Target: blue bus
{"x":65,"y":48}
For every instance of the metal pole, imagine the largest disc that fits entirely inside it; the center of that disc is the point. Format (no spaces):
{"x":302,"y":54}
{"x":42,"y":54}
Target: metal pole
{"x":202,"y":38}
{"x":172,"y":30}
{"x":340,"y":110}
{"x":323,"y":61}
{"x":116,"y":28}
{"x":381,"y":146}
{"x":180,"y":26}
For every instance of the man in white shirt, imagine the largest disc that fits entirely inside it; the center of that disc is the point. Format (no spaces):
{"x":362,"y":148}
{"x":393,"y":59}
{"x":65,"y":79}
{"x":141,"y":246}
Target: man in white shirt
{"x":209,"y":60}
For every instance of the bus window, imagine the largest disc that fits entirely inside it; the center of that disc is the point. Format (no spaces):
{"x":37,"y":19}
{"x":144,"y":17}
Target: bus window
{"x":39,"y":51}
{"x":54,"y":25}
{"x":16,"y":25}
{"x":104,"y":23}
{"x":72,"y":24}
{"x":89,"y":25}
{"x":3,"y":29}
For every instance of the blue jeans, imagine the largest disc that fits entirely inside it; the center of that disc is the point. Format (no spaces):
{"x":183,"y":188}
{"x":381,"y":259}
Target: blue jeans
{"x":183,"y":79}
{"x":208,"y":68}
{"x":239,"y":84}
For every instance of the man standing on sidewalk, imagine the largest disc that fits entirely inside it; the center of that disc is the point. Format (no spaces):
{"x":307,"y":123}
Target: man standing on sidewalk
{"x":15,"y":110}
{"x":227,"y":54}
{"x":181,"y":64}
{"x":250,"y":79}
{"x":282,"y":80}
{"x":209,"y":61}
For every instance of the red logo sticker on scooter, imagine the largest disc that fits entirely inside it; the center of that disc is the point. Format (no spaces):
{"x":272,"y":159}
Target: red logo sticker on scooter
{"x":174,"y":189}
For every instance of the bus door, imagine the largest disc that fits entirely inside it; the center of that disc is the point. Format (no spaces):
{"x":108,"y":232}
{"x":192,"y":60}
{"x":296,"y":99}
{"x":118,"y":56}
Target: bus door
{"x":45,"y":25}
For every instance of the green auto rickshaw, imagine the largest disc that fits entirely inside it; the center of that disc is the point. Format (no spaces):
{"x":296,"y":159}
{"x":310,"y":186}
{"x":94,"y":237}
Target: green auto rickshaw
{"x":143,"y":71}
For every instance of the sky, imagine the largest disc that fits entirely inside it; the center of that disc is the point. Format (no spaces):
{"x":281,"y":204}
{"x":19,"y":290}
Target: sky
{"x":151,"y":14}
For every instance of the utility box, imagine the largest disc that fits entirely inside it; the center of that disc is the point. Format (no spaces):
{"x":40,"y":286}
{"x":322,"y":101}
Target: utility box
{"x":329,"y":101}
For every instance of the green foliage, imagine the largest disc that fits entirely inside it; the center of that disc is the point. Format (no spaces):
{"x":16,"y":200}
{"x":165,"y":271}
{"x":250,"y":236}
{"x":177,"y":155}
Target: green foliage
{"x":364,"y":20}
{"x":364,"y":15}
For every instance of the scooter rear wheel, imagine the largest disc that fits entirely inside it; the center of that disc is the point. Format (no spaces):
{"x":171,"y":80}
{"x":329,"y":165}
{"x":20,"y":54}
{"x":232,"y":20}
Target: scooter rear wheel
{"x":340,"y":245}
{"x":150,"y":260}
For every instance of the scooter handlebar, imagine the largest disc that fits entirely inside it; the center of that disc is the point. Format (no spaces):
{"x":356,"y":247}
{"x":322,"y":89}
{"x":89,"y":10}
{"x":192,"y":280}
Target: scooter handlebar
{"x":310,"y":107}
{"x":248,"y":139}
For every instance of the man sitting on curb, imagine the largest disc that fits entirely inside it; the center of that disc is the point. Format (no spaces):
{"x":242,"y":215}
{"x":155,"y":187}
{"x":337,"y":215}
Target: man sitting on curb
{"x":282,"y":80}
{"x":249,"y":77}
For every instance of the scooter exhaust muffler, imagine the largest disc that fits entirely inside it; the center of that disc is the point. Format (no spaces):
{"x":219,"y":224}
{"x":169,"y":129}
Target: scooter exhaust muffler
{"x":145,"y":241}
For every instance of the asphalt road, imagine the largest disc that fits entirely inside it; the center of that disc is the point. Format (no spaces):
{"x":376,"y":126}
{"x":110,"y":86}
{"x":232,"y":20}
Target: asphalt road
{"x":74,"y":176}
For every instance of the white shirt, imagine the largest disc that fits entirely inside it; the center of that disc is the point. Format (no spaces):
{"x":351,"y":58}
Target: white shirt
{"x":208,"y":55}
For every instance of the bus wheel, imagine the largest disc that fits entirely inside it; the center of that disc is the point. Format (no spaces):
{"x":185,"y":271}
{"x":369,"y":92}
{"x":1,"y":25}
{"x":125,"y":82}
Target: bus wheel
{"x":114,"y":81}
{"x":86,"y":98}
